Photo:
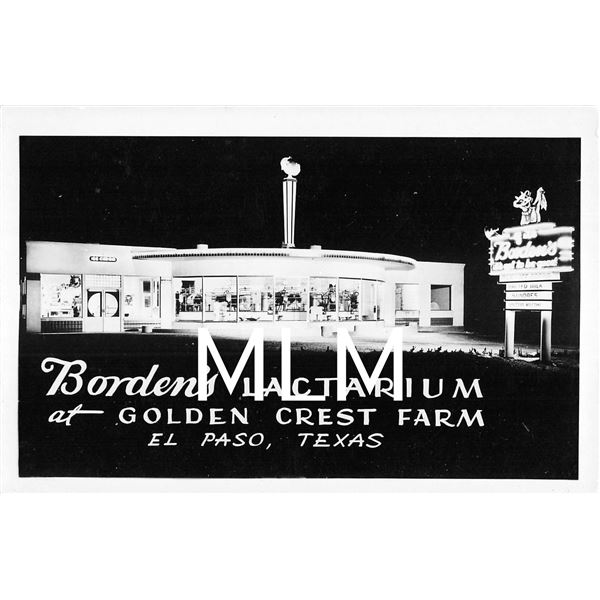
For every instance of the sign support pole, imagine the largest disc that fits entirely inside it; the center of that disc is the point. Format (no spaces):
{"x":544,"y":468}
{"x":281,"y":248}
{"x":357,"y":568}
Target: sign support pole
{"x":509,"y":333}
{"x":546,"y":336}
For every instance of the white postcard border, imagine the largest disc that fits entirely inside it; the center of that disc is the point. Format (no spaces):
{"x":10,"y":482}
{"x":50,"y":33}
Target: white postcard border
{"x":297,"y":121}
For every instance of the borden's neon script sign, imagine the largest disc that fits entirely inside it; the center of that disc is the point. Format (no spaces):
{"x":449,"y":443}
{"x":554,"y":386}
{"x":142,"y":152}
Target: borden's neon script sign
{"x":541,"y":247}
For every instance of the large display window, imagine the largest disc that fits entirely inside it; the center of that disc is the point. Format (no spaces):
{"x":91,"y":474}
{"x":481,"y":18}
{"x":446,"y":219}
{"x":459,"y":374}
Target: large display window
{"x":323,"y":298}
{"x":291,"y":298}
{"x":220,"y":299}
{"x":272,"y":299}
{"x":349,"y":299}
{"x":256,"y":298}
{"x":61,"y":296}
{"x":188,"y":298}
{"x":440,"y":297}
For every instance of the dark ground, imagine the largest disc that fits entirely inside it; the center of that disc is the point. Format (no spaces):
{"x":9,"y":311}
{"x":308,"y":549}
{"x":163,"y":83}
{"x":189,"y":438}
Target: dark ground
{"x":530,"y":413}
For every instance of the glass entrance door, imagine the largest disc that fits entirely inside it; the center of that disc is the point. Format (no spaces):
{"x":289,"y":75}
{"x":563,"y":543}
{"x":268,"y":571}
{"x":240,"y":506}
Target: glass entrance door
{"x":103,"y":311}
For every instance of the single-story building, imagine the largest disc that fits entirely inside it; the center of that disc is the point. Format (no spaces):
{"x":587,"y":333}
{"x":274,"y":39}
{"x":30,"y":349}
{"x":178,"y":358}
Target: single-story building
{"x":73,"y":287}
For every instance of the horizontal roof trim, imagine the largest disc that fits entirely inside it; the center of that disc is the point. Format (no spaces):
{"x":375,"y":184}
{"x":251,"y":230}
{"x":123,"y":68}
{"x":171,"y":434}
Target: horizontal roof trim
{"x":275,"y":252}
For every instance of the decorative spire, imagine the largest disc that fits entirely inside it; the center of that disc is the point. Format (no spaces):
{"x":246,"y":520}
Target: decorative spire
{"x":291,"y":168}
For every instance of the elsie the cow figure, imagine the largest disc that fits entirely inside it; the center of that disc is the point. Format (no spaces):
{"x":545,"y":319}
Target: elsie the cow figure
{"x":530,"y":207}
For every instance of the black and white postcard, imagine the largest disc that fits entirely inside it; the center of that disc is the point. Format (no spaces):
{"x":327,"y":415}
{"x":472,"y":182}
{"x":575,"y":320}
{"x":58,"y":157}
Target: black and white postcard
{"x":210,"y":299}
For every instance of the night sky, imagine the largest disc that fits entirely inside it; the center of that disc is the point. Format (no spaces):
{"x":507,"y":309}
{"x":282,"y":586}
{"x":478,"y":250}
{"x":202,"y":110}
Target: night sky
{"x":426,"y":198}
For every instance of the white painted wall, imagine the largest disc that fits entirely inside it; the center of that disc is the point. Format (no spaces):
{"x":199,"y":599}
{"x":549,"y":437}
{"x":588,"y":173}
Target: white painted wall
{"x":167,"y":303}
{"x":434,"y":273}
{"x":65,"y":257}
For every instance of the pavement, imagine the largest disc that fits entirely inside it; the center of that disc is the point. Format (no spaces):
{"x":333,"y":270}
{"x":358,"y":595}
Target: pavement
{"x":373,"y":338}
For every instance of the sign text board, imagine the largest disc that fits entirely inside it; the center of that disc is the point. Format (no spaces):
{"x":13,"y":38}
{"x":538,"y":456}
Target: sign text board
{"x":528,"y":305}
{"x":529,"y":285}
{"x":526,"y":295}
{"x":523,"y":277}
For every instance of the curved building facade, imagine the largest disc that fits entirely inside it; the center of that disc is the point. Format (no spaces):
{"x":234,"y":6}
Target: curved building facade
{"x":270,"y":284}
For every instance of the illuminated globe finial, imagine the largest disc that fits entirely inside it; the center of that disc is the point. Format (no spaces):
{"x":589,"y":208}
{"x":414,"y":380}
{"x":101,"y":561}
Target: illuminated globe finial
{"x":290,"y":167}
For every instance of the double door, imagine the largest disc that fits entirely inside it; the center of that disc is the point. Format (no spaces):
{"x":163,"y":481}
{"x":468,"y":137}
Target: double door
{"x":103,"y":310}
